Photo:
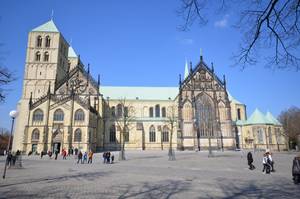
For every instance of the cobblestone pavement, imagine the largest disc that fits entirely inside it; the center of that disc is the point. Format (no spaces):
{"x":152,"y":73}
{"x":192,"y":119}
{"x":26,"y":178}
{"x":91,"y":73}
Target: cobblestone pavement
{"x":149,"y":174}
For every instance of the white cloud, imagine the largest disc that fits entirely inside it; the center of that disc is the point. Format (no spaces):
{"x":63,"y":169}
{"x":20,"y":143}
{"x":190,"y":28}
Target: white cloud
{"x":222,"y":23}
{"x":187,"y":41}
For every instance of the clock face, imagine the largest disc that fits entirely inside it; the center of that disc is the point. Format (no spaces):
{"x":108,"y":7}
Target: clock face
{"x":77,"y":85}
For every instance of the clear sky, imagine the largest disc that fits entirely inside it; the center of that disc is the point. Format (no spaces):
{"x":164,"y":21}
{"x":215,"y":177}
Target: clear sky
{"x":137,"y":43}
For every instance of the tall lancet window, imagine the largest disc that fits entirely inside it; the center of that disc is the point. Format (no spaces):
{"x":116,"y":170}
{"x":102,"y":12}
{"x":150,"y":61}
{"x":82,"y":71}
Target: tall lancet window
{"x":205,"y":116}
{"x":48,"y":40}
{"x":38,"y":56}
{"x":39,"y":41}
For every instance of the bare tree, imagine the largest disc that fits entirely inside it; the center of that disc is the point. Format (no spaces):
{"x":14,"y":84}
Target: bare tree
{"x":171,"y":123}
{"x":290,"y":120}
{"x":5,"y":77}
{"x":265,"y":24}
{"x":124,"y":121}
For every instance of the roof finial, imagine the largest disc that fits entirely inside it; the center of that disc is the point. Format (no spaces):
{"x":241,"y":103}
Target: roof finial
{"x":179,"y":80}
{"x":224,"y":81}
{"x":201,"y":57}
{"x":212,"y":67}
{"x":98,"y":80}
{"x":52,"y":14}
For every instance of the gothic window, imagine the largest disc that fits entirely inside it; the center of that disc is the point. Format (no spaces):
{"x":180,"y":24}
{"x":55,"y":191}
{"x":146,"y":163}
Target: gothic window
{"x":119,"y":110}
{"x":112,"y":134}
{"x":35,"y":135}
{"x":48,"y":40}
{"x":163,"y":112}
{"x":270,"y":135}
{"x":77,"y":135}
{"x":126,"y":135}
{"x":239,"y":114}
{"x":125,"y":111}
{"x":113,"y":111}
{"x":38,"y":56}
{"x":39,"y":41}
{"x":152,"y":137}
{"x":187,"y":112}
{"x":260,"y":138}
{"x":46,"y":56}
{"x":157,"y":110}
{"x":58,"y":115}
{"x":38,"y":115}
{"x":151,"y":112}
{"x":165,"y":134}
{"x":79,"y":115}
{"x":205,"y":118}
{"x":222,"y":111}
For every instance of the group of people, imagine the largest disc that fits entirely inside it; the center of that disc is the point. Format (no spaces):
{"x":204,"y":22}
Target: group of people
{"x":108,"y":158}
{"x":12,"y":157}
{"x":268,"y":163}
{"x":85,"y":157}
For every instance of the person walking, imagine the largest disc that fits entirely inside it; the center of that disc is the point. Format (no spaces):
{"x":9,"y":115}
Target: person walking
{"x":64,"y":153}
{"x":112,"y":158}
{"x":90,"y":157}
{"x":250,"y":161}
{"x":270,"y":160}
{"x":108,"y":157}
{"x":104,"y":157}
{"x":79,"y":157}
{"x":85,"y":157}
{"x":296,"y":170}
{"x":56,"y":154}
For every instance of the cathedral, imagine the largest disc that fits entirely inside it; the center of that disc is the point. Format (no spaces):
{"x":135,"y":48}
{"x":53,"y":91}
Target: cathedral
{"x":64,"y":107}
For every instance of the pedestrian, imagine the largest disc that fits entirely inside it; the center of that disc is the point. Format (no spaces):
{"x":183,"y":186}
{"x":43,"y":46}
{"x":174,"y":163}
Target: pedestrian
{"x":9,"y":158}
{"x":79,"y":157}
{"x":266,"y":164}
{"x":112,"y":158}
{"x":50,"y":154}
{"x":104,"y":157}
{"x":90,"y":157}
{"x":270,"y":160}
{"x":296,"y":169}
{"x":56,"y":154}
{"x":76,"y":151}
{"x":13,"y":158}
{"x":108,"y":158}
{"x":64,"y":153}
{"x":4,"y":152}
{"x":85,"y":157}
{"x":250,"y":161}
{"x":42,"y":154}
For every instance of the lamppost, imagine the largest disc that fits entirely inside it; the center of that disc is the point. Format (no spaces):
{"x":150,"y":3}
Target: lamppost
{"x":13,"y":114}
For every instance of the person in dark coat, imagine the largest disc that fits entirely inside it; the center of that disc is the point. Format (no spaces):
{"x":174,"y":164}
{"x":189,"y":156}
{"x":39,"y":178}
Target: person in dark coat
{"x":296,"y":170}
{"x":250,"y":161}
{"x":79,"y":157}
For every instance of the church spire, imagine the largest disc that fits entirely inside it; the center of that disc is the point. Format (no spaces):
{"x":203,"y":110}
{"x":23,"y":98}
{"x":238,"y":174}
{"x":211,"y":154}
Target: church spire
{"x":186,"y":70}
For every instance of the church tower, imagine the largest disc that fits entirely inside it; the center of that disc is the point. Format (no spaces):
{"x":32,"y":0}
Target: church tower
{"x":46,"y":60}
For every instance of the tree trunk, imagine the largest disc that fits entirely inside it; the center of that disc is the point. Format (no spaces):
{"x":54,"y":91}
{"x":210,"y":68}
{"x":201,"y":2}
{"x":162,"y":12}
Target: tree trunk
{"x":171,"y":153}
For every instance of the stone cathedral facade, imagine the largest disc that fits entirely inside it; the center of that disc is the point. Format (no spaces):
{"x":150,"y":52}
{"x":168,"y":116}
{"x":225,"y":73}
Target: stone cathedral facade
{"x":64,"y":107}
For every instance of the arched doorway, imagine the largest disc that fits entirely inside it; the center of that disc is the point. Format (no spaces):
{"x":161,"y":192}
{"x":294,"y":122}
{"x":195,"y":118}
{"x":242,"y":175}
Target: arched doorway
{"x":56,"y":140}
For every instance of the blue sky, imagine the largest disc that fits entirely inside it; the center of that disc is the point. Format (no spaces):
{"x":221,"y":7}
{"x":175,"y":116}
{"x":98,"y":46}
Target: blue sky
{"x":137,"y":43}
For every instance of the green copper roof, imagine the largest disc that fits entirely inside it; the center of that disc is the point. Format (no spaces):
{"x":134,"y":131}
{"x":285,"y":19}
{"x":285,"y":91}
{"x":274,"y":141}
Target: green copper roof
{"x":258,"y":117}
{"x":46,"y":27}
{"x":71,"y":52}
{"x":142,"y":93}
{"x":232,"y":99}
{"x":241,"y":122}
{"x":270,"y":117}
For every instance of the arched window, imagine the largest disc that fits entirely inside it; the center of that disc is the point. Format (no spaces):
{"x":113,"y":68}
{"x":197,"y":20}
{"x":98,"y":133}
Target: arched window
{"x":48,"y":40}
{"x":165,"y":134}
{"x":270,"y":135}
{"x":39,"y":41}
{"x":260,"y":137}
{"x":38,"y":115}
{"x":113,"y":111}
{"x":79,"y":115}
{"x":112,"y":133}
{"x":157,"y":110}
{"x":187,"y":112}
{"x":38,"y":56}
{"x":152,"y":137}
{"x":35,"y":135}
{"x":126,"y":135}
{"x":77,"y":135}
{"x":58,"y":115}
{"x":151,"y":112}
{"x":163,"y":112}
{"x":46,"y":56}
{"x":119,"y":110}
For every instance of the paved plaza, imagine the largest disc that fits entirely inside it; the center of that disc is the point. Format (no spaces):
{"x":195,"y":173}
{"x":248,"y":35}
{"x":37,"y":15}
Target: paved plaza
{"x":149,"y":174}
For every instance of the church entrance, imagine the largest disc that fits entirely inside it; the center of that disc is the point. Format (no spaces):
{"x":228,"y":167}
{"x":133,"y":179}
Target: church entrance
{"x":56,"y":147}
{"x":56,"y":140}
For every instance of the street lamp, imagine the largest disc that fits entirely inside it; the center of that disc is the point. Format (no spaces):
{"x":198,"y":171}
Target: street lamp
{"x":13,"y":114}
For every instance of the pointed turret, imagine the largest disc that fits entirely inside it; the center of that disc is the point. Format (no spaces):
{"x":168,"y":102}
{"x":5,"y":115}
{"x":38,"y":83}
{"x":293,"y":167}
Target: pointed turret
{"x":179,"y":80}
{"x":186,"y":70}
{"x":271,"y":118}
{"x":98,"y":80}
{"x":212,"y":67}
